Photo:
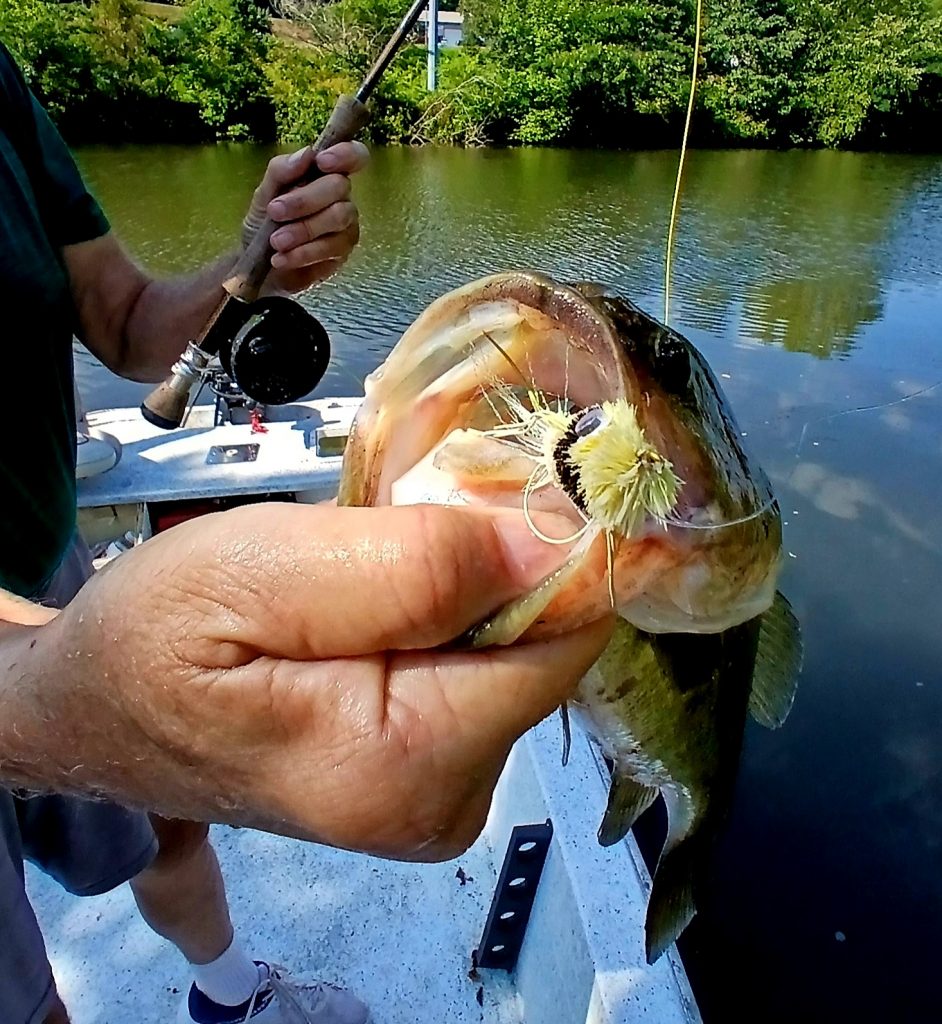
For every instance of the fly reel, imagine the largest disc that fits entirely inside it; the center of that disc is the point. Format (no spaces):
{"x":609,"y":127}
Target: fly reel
{"x":272,"y":350}
{"x":279,"y":355}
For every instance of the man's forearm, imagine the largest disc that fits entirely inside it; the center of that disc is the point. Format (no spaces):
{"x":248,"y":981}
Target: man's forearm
{"x":57,"y":733}
{"x":169,"y":313}
{"x":166,"y":314}
{"x":136,"y":325}
{"x":25,"y":759}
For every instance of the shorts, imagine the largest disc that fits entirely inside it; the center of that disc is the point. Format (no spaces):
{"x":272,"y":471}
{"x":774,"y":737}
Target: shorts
{"x":89,"y":847}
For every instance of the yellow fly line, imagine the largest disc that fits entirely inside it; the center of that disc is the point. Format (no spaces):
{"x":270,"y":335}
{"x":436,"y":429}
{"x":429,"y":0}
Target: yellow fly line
{"x":680,"y":166}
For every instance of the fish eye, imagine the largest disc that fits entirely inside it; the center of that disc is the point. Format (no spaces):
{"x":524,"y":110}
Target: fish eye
{"x":590,"y":421}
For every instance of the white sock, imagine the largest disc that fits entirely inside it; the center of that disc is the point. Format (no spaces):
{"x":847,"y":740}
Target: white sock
{"x":230,"y":979}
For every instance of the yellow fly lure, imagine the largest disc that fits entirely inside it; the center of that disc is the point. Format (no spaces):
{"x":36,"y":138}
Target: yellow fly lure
{"x":598,"y":456}
{"x":619,"y":476}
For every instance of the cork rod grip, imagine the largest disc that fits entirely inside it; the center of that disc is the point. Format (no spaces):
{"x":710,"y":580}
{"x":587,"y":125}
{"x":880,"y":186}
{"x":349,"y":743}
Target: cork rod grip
{"x":347,"y":118}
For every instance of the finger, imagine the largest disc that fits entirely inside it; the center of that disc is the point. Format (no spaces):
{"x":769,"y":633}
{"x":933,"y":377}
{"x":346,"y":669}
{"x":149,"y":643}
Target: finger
{"x":336,"y":218}
{"x":282,"y":172}
{"x":293,"y":282}
{"x":330,"y":247}
{"x":313,"y":582}
{"x":312,"y":255}
{"x":498,"y":696}
{"x":311,"y":198}
{"x":344,"y":158}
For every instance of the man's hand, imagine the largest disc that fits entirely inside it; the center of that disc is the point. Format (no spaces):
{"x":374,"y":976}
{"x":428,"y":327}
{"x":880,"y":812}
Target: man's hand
{"x":138,"y":326}
{"x":286,"y":667}
{"x":319,"y":225}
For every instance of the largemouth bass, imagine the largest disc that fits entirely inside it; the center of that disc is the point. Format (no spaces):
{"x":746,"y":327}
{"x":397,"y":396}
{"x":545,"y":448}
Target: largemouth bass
{"x":516,"y":390}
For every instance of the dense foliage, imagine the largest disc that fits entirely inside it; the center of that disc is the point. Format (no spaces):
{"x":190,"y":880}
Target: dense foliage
{"x":578,"y":72}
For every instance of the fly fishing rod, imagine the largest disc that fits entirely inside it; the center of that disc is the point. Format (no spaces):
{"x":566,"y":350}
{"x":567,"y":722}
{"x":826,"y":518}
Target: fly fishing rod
{"x":273,"y":349}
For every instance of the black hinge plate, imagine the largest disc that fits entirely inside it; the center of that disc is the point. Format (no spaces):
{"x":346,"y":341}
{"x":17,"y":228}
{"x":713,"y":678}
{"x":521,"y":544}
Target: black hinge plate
{"x":513,"y":899}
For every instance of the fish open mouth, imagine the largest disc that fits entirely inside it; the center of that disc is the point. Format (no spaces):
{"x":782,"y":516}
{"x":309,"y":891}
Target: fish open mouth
{"x":490,"y":396}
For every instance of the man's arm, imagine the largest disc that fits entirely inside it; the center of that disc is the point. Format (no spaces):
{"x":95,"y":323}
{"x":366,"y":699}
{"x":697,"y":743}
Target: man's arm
{"x":137,"y":325}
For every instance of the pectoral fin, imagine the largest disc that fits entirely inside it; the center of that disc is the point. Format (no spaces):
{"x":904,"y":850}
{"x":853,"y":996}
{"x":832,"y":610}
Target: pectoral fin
{"x":778,"y":665}
{"x":627,"y":801}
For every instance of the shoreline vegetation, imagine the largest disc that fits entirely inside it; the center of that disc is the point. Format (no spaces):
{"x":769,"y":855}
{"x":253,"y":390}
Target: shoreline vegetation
{"x":597,"y":73}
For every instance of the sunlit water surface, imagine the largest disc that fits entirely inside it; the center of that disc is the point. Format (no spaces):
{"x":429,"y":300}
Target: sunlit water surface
{"x":812,"y":282}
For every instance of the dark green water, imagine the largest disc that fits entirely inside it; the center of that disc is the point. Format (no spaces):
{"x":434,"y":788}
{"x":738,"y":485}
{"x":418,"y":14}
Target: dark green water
{"x":813,"y":284}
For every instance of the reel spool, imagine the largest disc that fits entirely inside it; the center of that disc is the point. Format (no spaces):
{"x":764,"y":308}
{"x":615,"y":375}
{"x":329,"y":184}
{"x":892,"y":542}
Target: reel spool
{"x":281,"y":353}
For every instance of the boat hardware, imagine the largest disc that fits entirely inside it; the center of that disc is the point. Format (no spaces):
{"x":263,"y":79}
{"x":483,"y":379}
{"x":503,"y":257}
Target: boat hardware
{"x":331,"y":439}
{"x":510,"y":910}
{"x":229,"y":397}
{"x":219,"y":454}
{"x":166,"y":405}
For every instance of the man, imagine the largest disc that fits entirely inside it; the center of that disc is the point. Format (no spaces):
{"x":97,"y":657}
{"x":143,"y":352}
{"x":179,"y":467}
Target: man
{"x":210,"y":679}
{"x":62,"y":270}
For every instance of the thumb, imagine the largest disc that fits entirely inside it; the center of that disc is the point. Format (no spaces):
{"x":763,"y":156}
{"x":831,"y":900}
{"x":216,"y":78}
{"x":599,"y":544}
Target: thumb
{"x":320,"y":582}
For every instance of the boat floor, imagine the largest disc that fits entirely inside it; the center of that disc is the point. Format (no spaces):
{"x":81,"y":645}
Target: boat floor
{"x":400,"y":935}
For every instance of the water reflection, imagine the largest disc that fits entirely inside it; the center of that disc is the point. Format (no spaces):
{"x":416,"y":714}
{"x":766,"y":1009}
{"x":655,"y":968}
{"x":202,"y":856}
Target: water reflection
{"x":792,"y":248}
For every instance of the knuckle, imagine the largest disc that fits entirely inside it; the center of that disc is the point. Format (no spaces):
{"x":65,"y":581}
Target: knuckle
{"x":338,"y":218}
{"x":440,"y":567}
{"x":346,"y":214}
{"x":340,"y":187}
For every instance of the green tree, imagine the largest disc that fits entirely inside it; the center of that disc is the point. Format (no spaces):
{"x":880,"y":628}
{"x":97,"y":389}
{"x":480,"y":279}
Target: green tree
{"x":222,"y":51}
{"x":754,"y":55}
{"x":868,"y":67}
{"x":99,"y":70}
{"x":608,"y":73}
{"x":589,"y":71}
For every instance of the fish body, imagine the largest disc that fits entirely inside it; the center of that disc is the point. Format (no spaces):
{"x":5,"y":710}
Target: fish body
{"x":669,"y":710}
{"x":517,"y":390}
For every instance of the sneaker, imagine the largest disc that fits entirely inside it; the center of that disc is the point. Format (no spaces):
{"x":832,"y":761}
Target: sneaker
{"x":278,"y":1000}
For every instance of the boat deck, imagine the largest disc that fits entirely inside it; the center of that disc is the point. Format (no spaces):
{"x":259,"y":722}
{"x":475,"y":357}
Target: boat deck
{"x":400,"y":935}
{"x":162,"y":465}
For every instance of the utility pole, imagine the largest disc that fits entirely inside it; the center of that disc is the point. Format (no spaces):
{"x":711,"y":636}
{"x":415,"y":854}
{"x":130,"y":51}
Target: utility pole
{"x":432,"y":36}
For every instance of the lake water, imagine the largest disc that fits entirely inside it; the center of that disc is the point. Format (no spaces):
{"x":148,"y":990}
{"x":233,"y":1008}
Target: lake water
{"x":812,"y":282}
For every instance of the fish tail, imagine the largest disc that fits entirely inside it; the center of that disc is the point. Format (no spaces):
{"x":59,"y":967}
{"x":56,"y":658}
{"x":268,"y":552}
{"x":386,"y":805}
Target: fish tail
{"x":672,"y":903}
